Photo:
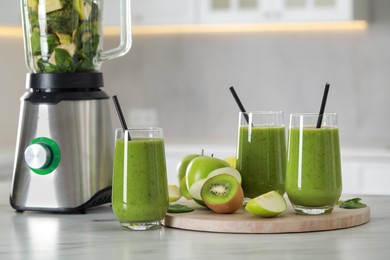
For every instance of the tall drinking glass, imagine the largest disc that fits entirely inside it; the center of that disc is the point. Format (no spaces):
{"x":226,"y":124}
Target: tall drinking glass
{"x":313,"y":179}
{"x":261,"y":152}
{"x":140,"y":188}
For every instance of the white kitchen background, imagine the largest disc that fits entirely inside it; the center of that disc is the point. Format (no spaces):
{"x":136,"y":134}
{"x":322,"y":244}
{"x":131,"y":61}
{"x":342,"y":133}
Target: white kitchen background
{"x":180,"y":82}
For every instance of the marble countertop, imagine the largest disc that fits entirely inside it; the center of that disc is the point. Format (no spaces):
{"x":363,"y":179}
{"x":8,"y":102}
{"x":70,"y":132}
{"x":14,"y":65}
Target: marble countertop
{"x":97,"y":235}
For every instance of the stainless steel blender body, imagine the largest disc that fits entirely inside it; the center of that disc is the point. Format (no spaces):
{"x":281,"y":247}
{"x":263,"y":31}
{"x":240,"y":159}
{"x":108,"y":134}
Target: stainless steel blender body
{"x":64,"y":153}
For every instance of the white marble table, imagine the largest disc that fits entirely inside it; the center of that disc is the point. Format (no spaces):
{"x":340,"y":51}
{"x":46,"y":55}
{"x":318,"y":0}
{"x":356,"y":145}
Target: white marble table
{"x":97,"y":235}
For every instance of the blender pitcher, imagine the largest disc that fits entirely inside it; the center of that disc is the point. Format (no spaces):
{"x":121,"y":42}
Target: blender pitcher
{"x":65,"y":36}
{"x":64,"y":149}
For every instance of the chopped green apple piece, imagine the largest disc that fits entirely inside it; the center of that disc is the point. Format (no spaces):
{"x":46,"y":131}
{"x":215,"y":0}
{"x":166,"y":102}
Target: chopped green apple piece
{"x":33,"y":4}
{"x":267,"y":205}
{"x":64,"y":38}
{"x":56,"y":59}
{"x":174,"y":193}
{"x":53,"y":5}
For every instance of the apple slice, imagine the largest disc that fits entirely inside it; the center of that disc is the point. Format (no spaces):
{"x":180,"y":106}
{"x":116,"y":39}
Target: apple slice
{"x":196,"y":188}
{"x":52,"y":5}
{"x":267,"y":205}
{"x":226,"y":170}
{"x":174,"y":192}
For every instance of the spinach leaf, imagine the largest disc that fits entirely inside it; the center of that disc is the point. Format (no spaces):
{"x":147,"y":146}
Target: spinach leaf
{"x":52,"y":42}
{"x":46,"y":67}
{"x":352,"y":204}
{"x":64,"y":62}
{"x":179,"y":208}
{"x":85,"y":65}
{"x":36,"y":41}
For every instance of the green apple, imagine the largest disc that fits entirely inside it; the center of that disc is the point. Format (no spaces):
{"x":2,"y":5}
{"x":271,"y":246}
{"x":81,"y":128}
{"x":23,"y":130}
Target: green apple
{"x":173,"y":192}
{"x":183,"y":189}
{"x":181,"y":174}
{"x":201,"y":166}
{"x":198,"y":169}
{"x":267,"y":205}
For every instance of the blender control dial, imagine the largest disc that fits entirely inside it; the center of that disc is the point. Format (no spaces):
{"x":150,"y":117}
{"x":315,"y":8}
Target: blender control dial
{"x":38,"y":155}
{"x":42,"y":156}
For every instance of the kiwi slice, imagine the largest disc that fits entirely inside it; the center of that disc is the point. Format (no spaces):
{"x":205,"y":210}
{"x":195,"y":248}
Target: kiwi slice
{"x":222,"y":194}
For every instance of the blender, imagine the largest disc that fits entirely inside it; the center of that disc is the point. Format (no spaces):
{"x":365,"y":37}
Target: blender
{"x":65,"y":140}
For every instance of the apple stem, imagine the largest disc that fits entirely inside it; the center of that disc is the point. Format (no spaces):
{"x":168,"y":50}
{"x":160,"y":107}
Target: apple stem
{"x":202,"y":152}
{"x":212,"y":155}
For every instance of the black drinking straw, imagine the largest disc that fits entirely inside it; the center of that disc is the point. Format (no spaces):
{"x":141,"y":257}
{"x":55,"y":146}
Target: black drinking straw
{"x":323,"y":103}
{"x":238,"y":101}
{"x":120,"y":114}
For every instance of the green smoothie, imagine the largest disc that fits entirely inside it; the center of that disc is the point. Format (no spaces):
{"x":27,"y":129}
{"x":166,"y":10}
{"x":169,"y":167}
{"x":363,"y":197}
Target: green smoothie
{"x":313,"y":176}
{"x":261,"y":159}
{"x":141,"y":195}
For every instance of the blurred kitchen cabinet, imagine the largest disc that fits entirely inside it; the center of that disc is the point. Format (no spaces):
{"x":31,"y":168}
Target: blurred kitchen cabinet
{"x":163,"y":11}
{"x":231,"y":11}
{"x":10,"y":13}
{"x":325,"y":10}
{"x":220,"y":11}
{"x":228,"y":11}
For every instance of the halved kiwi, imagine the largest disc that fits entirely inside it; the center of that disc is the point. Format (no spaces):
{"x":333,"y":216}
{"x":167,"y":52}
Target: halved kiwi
{"x":222,"y":194}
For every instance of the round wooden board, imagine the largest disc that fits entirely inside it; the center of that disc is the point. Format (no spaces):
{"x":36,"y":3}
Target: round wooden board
{"x":242,"y":222}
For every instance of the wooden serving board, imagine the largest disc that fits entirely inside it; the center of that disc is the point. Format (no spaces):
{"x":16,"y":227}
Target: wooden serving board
{"x":241,"y":221}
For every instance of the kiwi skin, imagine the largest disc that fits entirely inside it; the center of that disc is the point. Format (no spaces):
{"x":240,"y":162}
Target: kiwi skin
{"x":226,"y":203}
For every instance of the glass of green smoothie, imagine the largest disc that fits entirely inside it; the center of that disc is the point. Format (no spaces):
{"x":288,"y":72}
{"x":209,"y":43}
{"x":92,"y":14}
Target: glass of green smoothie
{"x":139,"y":186}
{"x":261,"y":152}
{"x":313,"y":178}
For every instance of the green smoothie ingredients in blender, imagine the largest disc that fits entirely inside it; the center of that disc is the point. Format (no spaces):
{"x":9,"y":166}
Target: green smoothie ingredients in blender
{"x":63,"y":35}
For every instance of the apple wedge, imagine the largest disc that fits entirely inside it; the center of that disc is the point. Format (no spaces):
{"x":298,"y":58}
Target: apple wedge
{"x":173,"y":192}
{"x":267,"y":205}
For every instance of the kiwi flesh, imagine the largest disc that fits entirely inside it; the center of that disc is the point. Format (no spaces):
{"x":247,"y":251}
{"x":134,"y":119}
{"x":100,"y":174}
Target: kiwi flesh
{"x":222,"y":194}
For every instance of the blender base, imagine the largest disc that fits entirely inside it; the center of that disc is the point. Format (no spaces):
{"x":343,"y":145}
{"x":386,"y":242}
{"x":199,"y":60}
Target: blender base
{"x":100,"y":198}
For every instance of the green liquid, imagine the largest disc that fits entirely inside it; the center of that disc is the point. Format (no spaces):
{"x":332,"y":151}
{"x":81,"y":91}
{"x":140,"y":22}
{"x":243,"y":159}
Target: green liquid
{"x":314,"y":172}
{"x":142,"y":196}
{"x":261,"y":160}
